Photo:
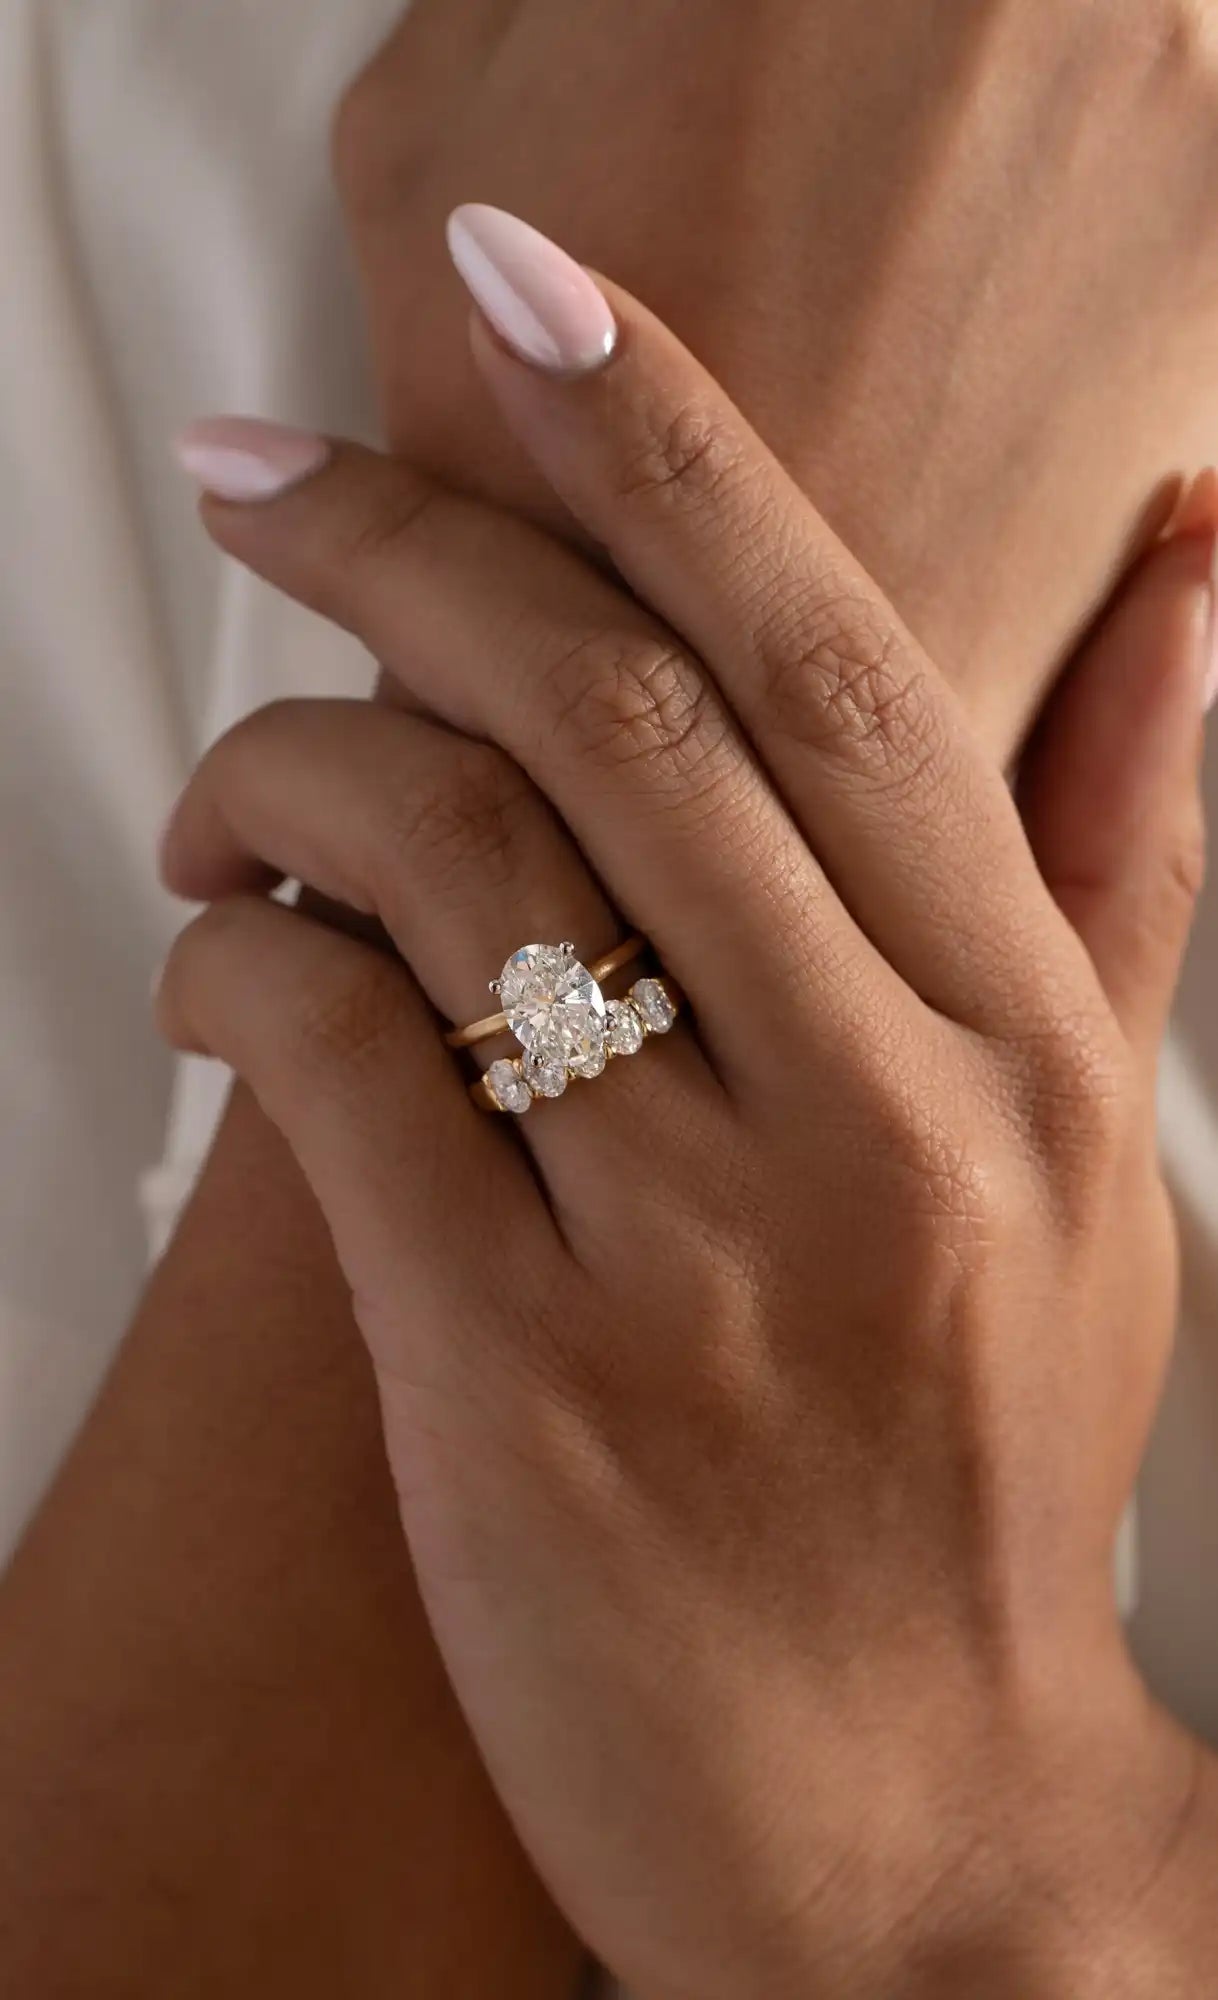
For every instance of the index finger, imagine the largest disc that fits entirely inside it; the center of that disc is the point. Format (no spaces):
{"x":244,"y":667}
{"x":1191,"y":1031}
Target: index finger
{"x":862,"y":737}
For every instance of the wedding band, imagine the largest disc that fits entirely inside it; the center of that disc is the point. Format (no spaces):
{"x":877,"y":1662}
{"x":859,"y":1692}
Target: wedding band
{"x":554,"y":1006}
{"x":600,"y":970}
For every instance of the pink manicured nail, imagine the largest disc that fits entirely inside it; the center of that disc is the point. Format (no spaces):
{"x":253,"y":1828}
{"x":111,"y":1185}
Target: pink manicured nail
{"x":245,"y":458}
{"x":539,"y":300}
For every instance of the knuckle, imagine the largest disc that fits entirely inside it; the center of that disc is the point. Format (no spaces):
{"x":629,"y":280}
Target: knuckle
{"x":1185,"y":38}
{"x":345,"y":1025}
{"x":681,"y":456}
{"x":948,"y":1191}
{"x":221,"y":927}
{"x":840,"y":685}
{"x":1080,"y":1087}
{"x":1089,"y":1064}
{"x":1185,"y":865}
{"x":1156,"y":908}
{"x":928,"y":1154}
{"x":332,"y":1030}
{"x":391,"y":516}
{"x":948,"y":1212}
{"x":203,"y":967}
{"x":242,"y":749}
{"x":959,"y":1189}
{"x":463,"y":827}
{"x":627,"y":700}
{"x":220,"y":931}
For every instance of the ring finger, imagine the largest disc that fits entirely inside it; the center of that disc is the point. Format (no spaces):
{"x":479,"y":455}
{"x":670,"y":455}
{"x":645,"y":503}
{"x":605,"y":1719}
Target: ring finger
{"x":442,"y":839}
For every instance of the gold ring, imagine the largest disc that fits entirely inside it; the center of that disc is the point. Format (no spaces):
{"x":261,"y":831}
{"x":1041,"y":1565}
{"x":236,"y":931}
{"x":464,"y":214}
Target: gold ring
{"x":554,"y":1006}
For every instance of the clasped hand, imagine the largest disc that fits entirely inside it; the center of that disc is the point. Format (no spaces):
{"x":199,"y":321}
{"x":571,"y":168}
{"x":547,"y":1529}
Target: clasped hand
{"x":763,"y":1412}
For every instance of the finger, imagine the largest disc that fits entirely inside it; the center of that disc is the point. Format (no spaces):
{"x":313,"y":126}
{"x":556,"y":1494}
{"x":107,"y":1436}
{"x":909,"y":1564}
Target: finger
{"x":864,"y":740}
{"x":442,"y":839}
{"x":508,"y":636}
{"x":446,"y":843}
{"x":1197,"y":513}
{"x":340,"y":1049}
{"x":1110,"y":788}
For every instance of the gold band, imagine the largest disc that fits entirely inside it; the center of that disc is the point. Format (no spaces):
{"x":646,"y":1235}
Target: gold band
{"x":496,"y":1024}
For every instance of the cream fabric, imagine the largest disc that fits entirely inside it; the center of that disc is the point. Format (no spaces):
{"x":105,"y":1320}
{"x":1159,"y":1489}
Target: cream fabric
{"x":172,"y":247}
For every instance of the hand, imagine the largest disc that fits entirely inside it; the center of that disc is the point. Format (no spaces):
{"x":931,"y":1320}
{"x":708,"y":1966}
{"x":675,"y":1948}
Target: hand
{"x":954,"y":262}
{"x":762,"y":1413}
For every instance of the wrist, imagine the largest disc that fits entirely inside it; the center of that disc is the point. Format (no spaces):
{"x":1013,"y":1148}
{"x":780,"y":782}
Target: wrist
{"x":1089,"y":1872}
{"x":1072,"y":1857}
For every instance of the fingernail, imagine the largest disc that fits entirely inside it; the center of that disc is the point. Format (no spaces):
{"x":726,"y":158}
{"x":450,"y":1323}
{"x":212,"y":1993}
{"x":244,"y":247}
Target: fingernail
{"x":245,"y":458}
{"x":539,"y":301}
{"x":1198,"y":509}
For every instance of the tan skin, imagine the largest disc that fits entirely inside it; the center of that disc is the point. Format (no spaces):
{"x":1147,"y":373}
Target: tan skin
{"x":954,"y":262}
{"x":244,"y":1321}
{"x":231,"y":1762}
{"x":771,"y":1562}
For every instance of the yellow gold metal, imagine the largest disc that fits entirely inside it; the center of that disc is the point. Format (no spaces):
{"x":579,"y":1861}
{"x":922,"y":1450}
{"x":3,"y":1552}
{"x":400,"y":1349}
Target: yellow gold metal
{"x":495,"y":1024}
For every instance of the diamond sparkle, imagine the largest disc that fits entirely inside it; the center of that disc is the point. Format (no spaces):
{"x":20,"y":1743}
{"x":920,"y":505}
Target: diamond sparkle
{"x":593,"y":1059}
{"x":553,"y":1005}
{"x":654,"y":1004}
{"x":508,"y":1087}
{"x":546,"y":1074}
{"x":623,"y":1028}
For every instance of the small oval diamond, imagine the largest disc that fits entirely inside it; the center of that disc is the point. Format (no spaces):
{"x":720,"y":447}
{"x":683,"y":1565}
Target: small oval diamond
{"x":508,"y":1087}
{"x":624,"y":1028}
{"x":545,"y":1074}
{"x":654,"y":1004}
{"x":591,"y":1060}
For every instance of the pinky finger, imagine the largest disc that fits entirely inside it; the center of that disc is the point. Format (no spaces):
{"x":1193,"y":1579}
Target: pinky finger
{"x":1110,"y":790}
{"x":342,"y":1052}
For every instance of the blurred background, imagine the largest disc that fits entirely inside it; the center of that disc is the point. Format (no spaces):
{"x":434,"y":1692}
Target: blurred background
{"x":173,"y":247}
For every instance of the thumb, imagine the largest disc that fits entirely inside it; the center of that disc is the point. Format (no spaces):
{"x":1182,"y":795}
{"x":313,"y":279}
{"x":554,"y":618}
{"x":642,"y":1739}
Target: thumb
{"x":1110,"y":787}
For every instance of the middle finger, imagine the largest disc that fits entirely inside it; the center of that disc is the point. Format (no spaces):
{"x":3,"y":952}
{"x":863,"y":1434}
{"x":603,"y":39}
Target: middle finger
{"x":609,"y":715}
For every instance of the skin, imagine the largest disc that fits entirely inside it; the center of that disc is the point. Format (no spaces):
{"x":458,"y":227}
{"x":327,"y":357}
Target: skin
{"x":911,"y":241}
{"x":245,"y":1321}
{"x":229,"y":1759}
{"x":795,"y":1477}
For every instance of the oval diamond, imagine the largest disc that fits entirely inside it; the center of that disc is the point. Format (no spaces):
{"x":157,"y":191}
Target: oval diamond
{"x":554,"y":1006}
{"x":508,"y":1087}
{"x":545,"y":1073}
{"x":591,"y":1061}
{"x":654,"y":1004}
{"x":623,"y":1028}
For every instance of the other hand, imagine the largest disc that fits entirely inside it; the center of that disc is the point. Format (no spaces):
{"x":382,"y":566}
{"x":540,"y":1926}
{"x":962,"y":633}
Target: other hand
{"x":762,"y":1412}
{"x":953,"y":262}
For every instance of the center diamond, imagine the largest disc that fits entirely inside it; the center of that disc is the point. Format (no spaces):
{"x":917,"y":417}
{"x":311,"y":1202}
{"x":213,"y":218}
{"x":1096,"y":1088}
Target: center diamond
{"x":554,"y":1006}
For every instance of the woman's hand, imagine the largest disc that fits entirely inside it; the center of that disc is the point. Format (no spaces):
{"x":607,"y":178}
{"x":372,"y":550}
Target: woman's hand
{"x":762,"y":1413}
{"x":953,"y":261}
